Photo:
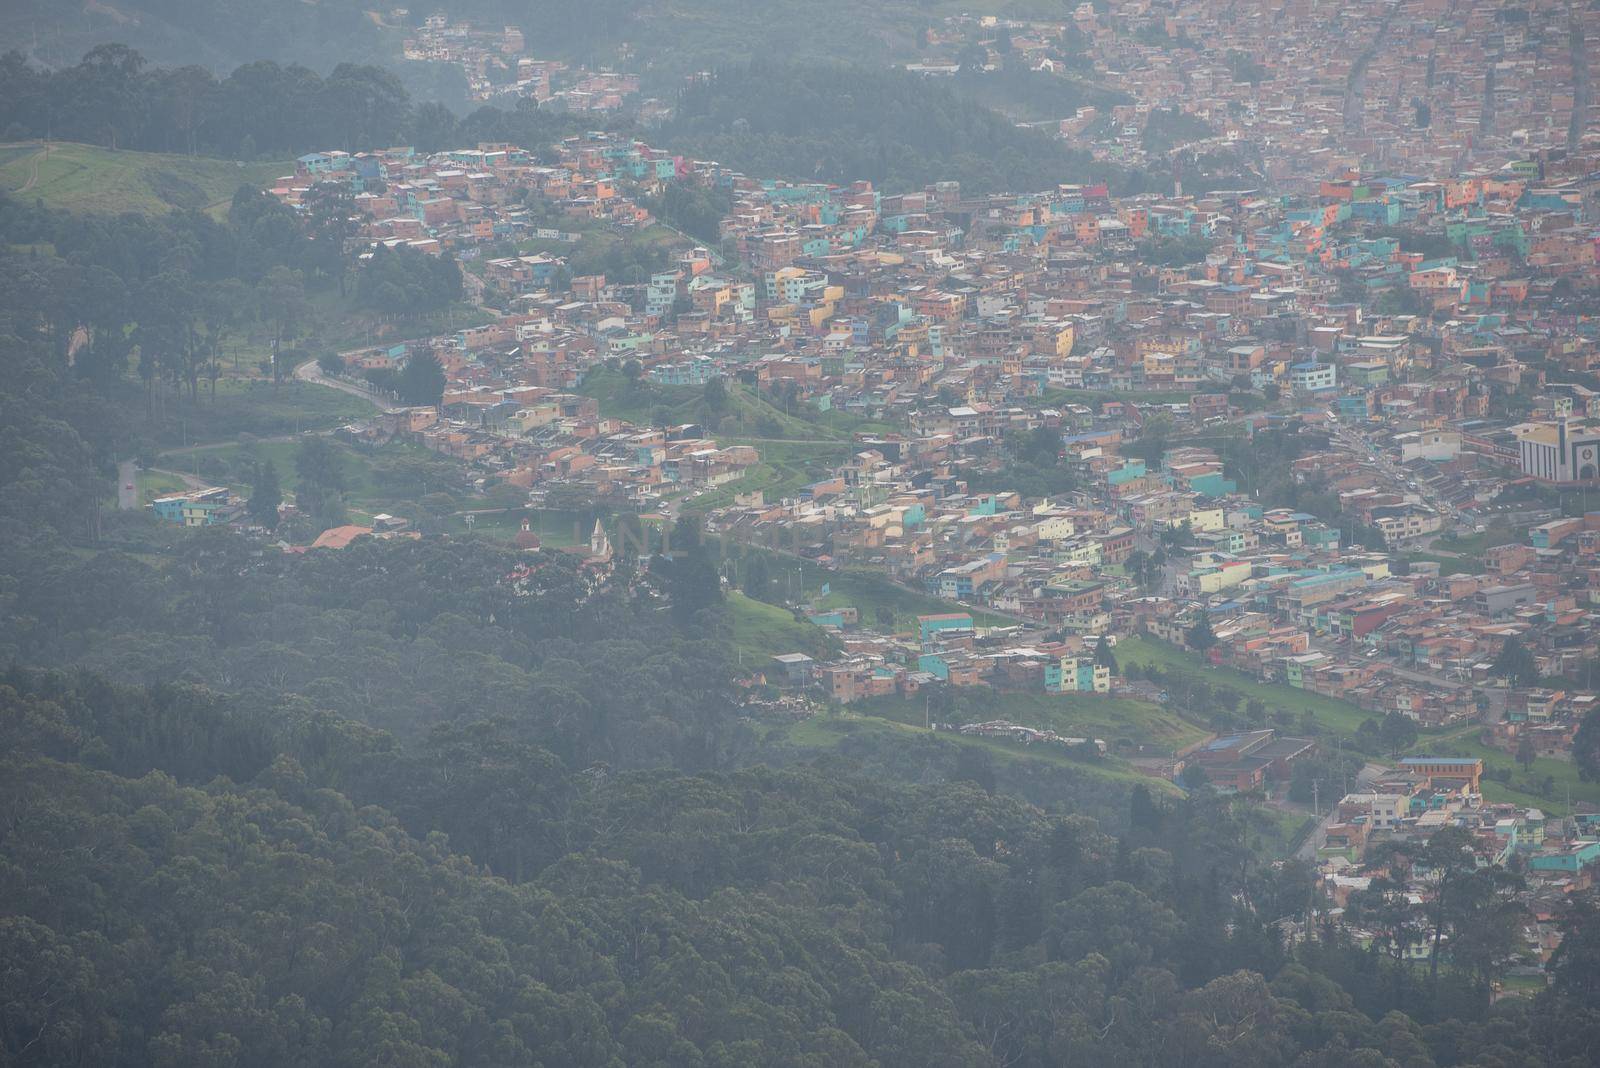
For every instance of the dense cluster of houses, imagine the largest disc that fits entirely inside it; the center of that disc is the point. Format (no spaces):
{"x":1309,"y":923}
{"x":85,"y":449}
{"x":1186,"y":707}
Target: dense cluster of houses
{"x":1411,"y":802}
{"x":1414,"y":84}
{"x":1049,"y":399}
{"x":499,"y":67}
{"x":967,"y":323}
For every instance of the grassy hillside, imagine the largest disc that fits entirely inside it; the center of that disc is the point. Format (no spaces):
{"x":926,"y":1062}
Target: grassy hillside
{"x":83,"y":178}
{"x":1111,"y":719}
{"x":1526,"y":786}
{"x":826,"y":732}
{"x":1340,"y":717}
{"x":748,"y":414}
{"x":245,"y":406}
{"x":794,"y":451}
{"x":761,"y":631}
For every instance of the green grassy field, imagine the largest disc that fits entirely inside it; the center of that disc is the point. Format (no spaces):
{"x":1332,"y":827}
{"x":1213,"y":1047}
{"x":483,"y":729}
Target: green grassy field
{"x":1473,"y":544}
{"x":153,"y":484}
{"x":760,"y":631}
{"x":1343,"y":718}
{"x":1340,"y":717}
{"x":91,"y":180}
{"x":794,"y":452}
{"x":1274,"y":831}
{"x":1524,"y":788}
{"x":248,"y":406}
{"x":619,"y":400}
{"x":869,"y":592}
{"x":1110,"y":719}
{"x":749,"y":416}
{"x":232,"y":463}
{"x":865,"y":591}
{"x":826,"y":732}
{"x":785,"y":467}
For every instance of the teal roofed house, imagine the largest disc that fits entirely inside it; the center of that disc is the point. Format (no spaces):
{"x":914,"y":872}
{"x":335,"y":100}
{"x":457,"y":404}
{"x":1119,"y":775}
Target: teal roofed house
{"x":1512,"y":236}
{"x":1126,"y":473}
{"x":1573,"y":859}
{"x":943,"y":624}
{"x":1318,"y":536}
{"x":1383,"y":211}
{"x":1213,"y":485}
{"x":1551,"y":200}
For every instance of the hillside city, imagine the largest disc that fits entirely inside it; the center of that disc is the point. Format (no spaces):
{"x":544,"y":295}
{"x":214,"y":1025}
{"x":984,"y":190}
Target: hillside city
{"x":1335,"y":436}
{"x":1241,"y":476}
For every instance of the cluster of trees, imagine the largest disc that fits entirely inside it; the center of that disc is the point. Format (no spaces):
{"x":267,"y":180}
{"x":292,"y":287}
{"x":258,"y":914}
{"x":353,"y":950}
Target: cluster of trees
{"x":1392,"y":735}
{"x":1034,"y":467}
{"x":263,"y":110}
{"x":1515,"y":663}
{"x":166,"y":294}
{"x":695,"y":211}
{"x":114,"y":98}
{"x":403,"y":281}
{"x":85,"y":299}
{"x":1265,"y":466}
{"x":1167,"y":128}
{"x":1174,"y":251}
{"x":437,"y":802}
{"x":404,"y":636}
{"x":212,"y":32}
{"x":191,"y":878}
{"x":1016,"y":89}
{"x":632,"y":260}
{"x":839,"y":124}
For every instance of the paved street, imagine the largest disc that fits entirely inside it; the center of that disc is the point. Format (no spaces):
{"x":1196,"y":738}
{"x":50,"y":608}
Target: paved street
{"x":310,"y":372}
{"x":127,"y":485}
{"x":1308,"y":849}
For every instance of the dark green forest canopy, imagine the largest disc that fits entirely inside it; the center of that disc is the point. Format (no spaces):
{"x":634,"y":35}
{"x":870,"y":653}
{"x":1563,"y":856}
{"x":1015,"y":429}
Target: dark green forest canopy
{"x":191,"y":877}
{"x":261,"y":110}
{"x":838,"y":124}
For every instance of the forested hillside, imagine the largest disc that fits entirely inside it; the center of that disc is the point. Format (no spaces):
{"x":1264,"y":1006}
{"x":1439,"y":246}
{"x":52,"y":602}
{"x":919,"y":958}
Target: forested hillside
{"x":113,"y":96}
{"x":836,"y":124}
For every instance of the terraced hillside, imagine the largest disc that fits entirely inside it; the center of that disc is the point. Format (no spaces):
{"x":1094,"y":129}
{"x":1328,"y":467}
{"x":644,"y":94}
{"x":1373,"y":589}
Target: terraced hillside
{"x":83,"y":178}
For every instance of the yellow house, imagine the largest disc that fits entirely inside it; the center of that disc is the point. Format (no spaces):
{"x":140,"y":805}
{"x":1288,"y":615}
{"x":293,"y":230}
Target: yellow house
{"x":1055,"y":528}
{"x":1083,"y":552}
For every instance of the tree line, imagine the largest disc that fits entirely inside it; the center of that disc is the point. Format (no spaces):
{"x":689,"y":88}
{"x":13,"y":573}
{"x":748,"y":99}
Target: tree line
{"x":262,"y":110}
{"x":168,"y":295}
{"x":838,"y":124}
{"x":192,"y":877}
